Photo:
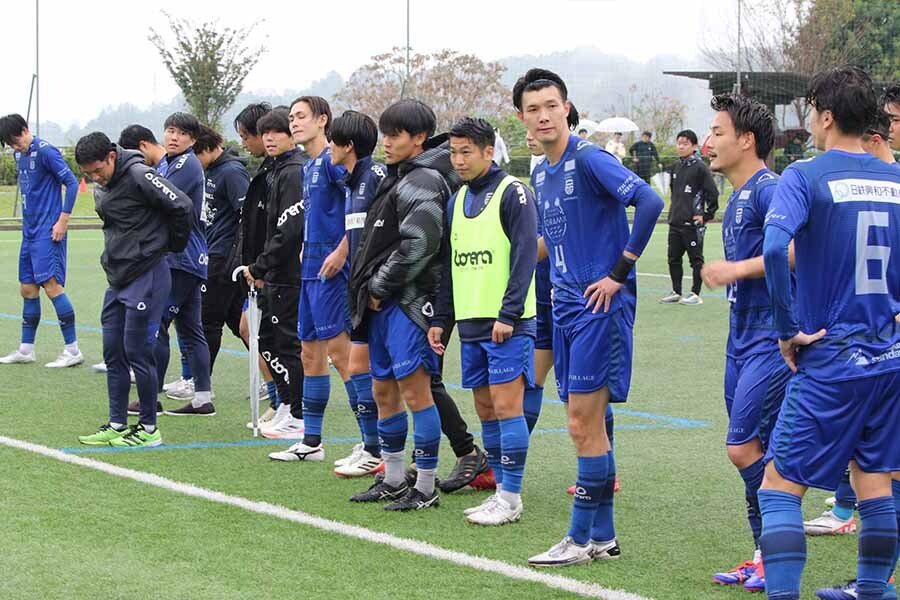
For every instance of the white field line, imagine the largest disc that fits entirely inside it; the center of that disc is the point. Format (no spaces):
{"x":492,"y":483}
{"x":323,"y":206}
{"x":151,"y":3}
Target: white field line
{"x":582,"y":588}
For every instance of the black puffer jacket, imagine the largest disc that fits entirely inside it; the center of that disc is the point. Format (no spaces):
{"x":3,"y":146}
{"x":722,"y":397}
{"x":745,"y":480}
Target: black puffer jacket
{"x":251,"y":234}
{"x":399,"y":257}
{"x":279,"y":261}
{"x":144,"y":216}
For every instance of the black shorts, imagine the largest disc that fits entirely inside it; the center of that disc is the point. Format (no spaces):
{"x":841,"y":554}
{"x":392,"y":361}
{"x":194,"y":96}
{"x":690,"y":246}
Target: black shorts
{"x":360,"y":334}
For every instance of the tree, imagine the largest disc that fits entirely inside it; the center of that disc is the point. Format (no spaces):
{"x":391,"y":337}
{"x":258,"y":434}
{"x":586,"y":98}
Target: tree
{"x":453,"y":84}
{"x":660,"y":114}
{"x":209,"y":65}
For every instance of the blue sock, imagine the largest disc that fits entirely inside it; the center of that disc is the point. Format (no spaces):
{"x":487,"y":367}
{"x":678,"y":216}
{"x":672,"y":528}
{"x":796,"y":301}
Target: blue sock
{"x":392,"y":432}
{"x":534,"y":397}
{"x":514,"y":448}
{"x":603,"y":528}
{"x":366,"y":412}
{"x":895,"y":490}
{"x":272,"y":389}
{"x":426,"y":437}
{"x":782,"y":543}
{"x":593,"y":471}
{"x":844,"y":498}
{"x":316,"y":389}
{"x":877,"y":545}
{"x":65,"y":314}
{"x":31,"y":317}
{"x":352,"y":399}
{"x":753,"y":476}
{"x":490,"y":437}
{"x":185,"y":364}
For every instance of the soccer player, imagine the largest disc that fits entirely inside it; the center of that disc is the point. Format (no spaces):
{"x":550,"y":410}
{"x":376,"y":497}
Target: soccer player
{"x":144,"y":217}
{"x":877,"y":138}
{"x":276,"y":270}
{"x":189,"y":267}
{"x":743,"y":134}
{"x":227,"y":181}
{"x":694,"y":202}
{"x":45,"y":220}
{"x":841,"y":337}
{"x":582,"y":192}
{"x":140,"y":138}
{"x":891,"y":101}
{"x":491,"y":225}
{"x":250,"y":242}
{"x":353,"y":139}
{"x":396,"y":273}
{"x":644,"y":155}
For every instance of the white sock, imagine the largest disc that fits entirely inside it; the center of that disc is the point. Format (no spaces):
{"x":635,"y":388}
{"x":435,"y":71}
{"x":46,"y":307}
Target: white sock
{"x":149,"y":428}
{"x":201,"y":398}
{"x":512,"y":499}
{"x":72,"y":348}
{"x":26,"y":348}
{"x":117,"y":426}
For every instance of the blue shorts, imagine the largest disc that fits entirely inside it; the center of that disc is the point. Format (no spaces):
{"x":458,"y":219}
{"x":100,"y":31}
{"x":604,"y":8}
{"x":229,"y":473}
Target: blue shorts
{"x":544,"y":339}
{"x":40,"y":260}
{"x":754,"y":389}
{"x":487,"y":363}
{"x":397,"y":346}
{"x":592,"y":353}
{"x":324,"y":311}
{"x":824,"y":425}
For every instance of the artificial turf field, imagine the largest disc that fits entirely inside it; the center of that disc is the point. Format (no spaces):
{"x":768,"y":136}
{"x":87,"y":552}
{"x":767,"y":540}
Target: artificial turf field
{"x":67,"y":531}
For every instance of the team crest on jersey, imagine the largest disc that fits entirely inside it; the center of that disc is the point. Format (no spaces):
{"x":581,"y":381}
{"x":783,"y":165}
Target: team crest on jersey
{"x":739,"y":215}
{"x":554,"y":221}
{"x":315,"y":176}
{"x":569,"y":186}
{"x":362,"y":188}
{"x":31,"y":165}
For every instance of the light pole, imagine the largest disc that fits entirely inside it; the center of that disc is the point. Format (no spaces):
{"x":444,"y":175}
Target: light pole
{"x":737,"y":85}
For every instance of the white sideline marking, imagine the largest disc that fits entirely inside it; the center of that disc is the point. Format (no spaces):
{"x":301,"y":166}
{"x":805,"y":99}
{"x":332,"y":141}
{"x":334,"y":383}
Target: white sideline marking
{"x":582,"y":588}
{"x":658,"y":275}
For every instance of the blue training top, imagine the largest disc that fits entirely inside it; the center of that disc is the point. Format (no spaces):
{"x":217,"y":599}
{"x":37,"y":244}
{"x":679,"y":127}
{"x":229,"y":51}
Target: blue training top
{"x":360,"y":188}
{"x":185,"y":172}
{"x":42,"y":173}
{"x":324,"y":203}
{"x":843,"y":211}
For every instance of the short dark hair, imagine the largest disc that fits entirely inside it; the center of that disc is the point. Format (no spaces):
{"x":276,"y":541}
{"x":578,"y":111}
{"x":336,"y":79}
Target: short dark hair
{"x":537,"y":79}
{"x":891,"y":95}
{"x":582,"y":130}
{"x":249,"y":116}
{"x":355,"y":128}
{"x":319,"y":106}
{"x":186,"y":122}
{"x":687,"y":134}
{"x":274,"y":120}
{"x":208,"y":140}
{"x":647,"y":133}
{"x":409,"y":115}
{"x":11,"y":127}
{"x":93,"y":147}
{"x":748,"y":115}
{"x":478,"y":130}
{"x":880,"y":125}
{"x":848,"y":94}
{"x":132,"y":136}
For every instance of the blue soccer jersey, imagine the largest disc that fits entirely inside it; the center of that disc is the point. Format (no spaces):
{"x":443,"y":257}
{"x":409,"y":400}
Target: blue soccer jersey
{"x":751,"y":329}
{"x":185,"y":172}
{"x":843,"y":212}
{"x":360,"y":191}
{"x":324,"y":202}
{"x":581,"y":202}
{"x":42,"y":173}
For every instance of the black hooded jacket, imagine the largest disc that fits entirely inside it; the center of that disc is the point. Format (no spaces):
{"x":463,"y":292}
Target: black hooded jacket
{"x":279,"y":261}
{"x":144,"y":217}
{"x":400,"y":251}
{"x":226,"y":187}
{"x":251,"y":234}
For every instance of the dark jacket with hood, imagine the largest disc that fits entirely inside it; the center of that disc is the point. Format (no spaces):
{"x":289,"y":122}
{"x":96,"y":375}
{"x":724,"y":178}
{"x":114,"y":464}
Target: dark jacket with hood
{"x":226,"y":187}
{"x":400,"y":251}
{"x":251,"y":234}
{"x":144,"y":217}
{"x":279,"y":261}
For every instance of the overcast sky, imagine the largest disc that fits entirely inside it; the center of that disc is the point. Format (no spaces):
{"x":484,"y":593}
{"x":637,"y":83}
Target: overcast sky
{"x":95,"y":53}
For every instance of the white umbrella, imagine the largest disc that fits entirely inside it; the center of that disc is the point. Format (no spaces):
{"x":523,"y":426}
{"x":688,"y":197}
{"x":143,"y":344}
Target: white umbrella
{"x":617,"y":124}
{"x":253,"y":318}
{"x":590,"y":126}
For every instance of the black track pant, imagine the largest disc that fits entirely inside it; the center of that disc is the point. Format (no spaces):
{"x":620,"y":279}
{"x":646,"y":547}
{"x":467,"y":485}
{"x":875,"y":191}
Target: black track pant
{"x":279,"y":345}
{"x":685,"y":238}
{"x":222,"y":301}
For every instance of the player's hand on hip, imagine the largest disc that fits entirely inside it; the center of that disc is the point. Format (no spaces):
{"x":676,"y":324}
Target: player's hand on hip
{"x":59,"y":228}
{"x":600,"y":294}
{"x":501,"y":332}
{"x":718,"y":273}
{"x":698,"y":220}
{"x":790,"y":347}
{"x":374,"y":303}
{"x":434,"y":340}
